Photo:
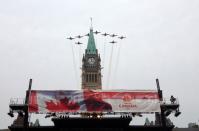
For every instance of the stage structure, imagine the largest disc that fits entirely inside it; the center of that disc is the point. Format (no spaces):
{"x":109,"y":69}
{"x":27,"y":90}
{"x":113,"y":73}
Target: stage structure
{"x":94,"y":108}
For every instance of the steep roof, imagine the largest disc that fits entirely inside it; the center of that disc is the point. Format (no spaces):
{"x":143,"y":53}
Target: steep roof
{"x":91,"y":48}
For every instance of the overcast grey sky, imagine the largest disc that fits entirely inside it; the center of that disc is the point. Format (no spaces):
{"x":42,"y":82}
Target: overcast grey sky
{"x":162,"y":42}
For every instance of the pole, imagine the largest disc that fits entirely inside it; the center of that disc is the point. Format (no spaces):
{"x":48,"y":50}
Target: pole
{"x":163,"y":118}
{"x":26,"y":123}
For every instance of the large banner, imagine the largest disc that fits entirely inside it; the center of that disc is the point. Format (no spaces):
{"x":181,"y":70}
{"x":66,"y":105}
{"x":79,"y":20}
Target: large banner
{"x":79,"y":101}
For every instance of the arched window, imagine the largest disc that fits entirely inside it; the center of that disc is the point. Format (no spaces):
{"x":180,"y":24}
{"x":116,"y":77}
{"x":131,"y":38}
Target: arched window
{"x":89,"y":80}
{"x":86,"y":77}
{"x":92,"y":78}
{"x":95,"y":77}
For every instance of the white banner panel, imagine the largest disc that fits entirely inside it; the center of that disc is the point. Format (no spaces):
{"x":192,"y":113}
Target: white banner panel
{"x":94,"y":101}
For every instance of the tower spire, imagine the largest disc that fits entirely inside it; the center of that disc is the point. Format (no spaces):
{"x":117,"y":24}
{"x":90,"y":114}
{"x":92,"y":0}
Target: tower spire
{"x":91,"y":47}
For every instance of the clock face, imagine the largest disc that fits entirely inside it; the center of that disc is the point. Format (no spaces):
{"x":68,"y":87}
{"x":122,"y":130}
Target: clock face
{"x":91,"y":60}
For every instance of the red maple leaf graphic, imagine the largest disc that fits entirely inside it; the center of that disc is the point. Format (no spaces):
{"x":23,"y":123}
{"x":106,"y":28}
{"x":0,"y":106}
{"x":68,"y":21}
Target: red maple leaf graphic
{"x":62,"y":105}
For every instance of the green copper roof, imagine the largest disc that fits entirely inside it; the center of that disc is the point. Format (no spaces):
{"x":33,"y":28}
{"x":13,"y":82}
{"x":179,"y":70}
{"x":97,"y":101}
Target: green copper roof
{"x":91,"y":48}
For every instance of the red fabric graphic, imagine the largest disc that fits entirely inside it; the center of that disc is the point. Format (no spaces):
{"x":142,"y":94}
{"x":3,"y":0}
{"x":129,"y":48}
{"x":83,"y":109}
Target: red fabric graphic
{"x":94,"y":102}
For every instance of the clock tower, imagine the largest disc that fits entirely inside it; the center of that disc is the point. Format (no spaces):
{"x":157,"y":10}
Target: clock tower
{"x":91,"y":67}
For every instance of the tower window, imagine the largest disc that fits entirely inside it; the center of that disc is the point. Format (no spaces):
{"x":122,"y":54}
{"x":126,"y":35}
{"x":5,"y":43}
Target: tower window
{"x":92,"y":80}
{"x":89,"y":80}
{"x":86,"y":77}
{"x":95,"y":77}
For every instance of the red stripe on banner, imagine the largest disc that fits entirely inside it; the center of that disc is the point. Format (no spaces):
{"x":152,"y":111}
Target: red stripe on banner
{"x":129,"y":95}
{"x":121,"y":95}
{"x":33,"y":106}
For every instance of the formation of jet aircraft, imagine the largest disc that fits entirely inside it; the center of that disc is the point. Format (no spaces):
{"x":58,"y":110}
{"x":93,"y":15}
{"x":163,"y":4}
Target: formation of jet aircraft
{"x":96,"y":32}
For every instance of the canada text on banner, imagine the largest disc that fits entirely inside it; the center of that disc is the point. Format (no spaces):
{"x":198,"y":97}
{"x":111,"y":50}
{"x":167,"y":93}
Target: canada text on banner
{"x":79,"y":101}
